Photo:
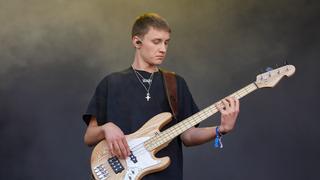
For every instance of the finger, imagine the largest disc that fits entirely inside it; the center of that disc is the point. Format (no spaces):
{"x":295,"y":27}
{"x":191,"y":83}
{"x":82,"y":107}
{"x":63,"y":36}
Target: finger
{"x":110,"y":147}
{"x":125,"y":143}
{"x":220,"y":107}
{"x":237,"y":104}
{"x":231,"y":102}
{"x":226,"y":104}
{"x":122,"y":149}
{"x":117,"y":150}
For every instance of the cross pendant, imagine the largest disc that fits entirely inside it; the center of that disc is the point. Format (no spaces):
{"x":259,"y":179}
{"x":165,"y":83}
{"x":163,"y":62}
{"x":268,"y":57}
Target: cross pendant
{"x":148,"y":96}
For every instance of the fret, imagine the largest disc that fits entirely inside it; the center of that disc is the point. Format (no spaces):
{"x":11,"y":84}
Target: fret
{"x":170,"y":132}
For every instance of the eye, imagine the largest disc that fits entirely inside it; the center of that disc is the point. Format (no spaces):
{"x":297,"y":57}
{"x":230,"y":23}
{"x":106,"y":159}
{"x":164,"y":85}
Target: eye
{"x":156,"y":41}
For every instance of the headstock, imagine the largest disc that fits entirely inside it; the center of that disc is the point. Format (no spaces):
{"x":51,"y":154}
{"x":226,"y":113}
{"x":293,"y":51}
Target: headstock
{"x":272,"y":77}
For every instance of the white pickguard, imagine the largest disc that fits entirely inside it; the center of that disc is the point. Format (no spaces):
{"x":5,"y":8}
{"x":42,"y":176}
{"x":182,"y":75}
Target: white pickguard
{"x":143,"y":156}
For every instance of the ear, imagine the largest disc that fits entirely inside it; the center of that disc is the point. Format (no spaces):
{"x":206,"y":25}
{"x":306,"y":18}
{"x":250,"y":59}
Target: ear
{"x":136,"y":42}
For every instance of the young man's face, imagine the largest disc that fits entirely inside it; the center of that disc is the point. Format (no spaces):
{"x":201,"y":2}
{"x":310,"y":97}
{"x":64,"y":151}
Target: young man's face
{"x":154,"y":46}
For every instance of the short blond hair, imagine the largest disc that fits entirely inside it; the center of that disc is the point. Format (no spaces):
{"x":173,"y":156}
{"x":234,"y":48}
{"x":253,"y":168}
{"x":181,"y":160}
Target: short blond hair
{"x":144,"y":22}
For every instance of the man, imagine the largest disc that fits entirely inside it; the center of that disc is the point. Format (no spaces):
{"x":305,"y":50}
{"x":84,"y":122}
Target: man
{"x":124,"y":101}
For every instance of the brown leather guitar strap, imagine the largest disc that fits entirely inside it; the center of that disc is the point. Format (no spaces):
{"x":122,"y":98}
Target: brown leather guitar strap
{"x":170,"y":83}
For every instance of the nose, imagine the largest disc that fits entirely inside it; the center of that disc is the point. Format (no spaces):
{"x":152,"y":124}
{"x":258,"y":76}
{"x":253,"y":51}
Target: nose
{"x":163,"y":48}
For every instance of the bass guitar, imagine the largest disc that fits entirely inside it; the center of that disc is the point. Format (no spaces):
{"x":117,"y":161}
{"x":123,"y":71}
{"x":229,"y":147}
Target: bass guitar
{"x":148,"y":140}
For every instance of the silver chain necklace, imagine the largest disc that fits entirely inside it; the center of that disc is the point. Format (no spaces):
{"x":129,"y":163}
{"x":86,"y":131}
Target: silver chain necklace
{"x":144,"y":80}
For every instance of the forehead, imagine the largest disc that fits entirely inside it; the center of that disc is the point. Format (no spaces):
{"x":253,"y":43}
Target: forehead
{"x":157,"y":34}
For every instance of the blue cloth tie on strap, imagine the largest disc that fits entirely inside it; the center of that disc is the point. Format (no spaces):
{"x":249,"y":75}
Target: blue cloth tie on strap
{"x":217,"y":140}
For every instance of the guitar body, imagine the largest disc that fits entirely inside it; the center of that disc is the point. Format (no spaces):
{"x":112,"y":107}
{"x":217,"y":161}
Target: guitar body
{"x":143,"y":161}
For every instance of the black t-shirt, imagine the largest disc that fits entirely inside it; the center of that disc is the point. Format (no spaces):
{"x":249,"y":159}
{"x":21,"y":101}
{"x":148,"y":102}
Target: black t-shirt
{"x":120,"y":98}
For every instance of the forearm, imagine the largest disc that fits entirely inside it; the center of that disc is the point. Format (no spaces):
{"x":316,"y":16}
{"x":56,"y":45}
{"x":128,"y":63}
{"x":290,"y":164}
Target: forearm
{"x":196,"y":136}
{"x":94,"y":133}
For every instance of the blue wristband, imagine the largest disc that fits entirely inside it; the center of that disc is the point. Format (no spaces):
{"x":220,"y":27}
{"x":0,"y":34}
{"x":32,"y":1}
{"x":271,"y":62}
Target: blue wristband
{"x":217,"y":140}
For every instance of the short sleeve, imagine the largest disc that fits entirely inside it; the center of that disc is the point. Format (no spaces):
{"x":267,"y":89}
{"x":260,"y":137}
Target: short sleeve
{"x":98,"y":104}
{"x":187,"y":106}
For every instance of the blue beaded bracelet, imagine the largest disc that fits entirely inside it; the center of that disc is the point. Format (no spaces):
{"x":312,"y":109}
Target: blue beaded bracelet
{"x":217,"y":140}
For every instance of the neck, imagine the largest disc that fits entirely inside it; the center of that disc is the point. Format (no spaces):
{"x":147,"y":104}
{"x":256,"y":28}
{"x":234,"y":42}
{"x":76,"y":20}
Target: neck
{"x":140,"y":64}
{"x":150,"y":69}
{"x":172,"y":132}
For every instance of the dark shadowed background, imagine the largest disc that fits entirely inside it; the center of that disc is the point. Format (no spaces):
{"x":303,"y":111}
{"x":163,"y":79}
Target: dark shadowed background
{"x":53,"y":54}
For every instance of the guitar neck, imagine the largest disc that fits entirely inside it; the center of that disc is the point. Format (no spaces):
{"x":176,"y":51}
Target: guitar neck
{"x":174,"y":131}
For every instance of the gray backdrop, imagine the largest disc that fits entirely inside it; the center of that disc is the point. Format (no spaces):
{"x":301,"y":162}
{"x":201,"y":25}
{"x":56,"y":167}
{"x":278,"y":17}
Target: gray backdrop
{"x":53,"y":54}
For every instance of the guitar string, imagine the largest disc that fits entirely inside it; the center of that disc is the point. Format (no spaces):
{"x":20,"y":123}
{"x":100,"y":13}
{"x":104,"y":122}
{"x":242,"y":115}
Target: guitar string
{"x":240,"y":93}
{"x":244,"y":91}
{"x":140,"y":149}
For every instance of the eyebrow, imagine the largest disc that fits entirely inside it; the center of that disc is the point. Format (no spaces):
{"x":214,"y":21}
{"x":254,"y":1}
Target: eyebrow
{"x":160,"y":39}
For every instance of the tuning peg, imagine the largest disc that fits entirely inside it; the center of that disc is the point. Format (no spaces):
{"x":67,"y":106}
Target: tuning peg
{"x":268,"y":69}
{"x":285,"y":62}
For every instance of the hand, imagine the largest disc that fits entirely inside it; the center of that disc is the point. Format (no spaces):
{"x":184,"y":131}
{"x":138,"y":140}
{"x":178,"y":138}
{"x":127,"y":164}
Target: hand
{"x":116,"y":140}
{"x":229,"y":109}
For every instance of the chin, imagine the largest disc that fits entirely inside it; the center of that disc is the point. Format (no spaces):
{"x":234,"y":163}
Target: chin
{"x":158,"y":62}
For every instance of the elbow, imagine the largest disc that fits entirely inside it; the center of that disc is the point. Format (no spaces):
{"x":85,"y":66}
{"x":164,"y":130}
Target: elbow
{"x":187,"y":137}
{"x":187,"y":144}
{"x":87,"y":141}
{"x":187,"y":141}
{"x":92,"y":134}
